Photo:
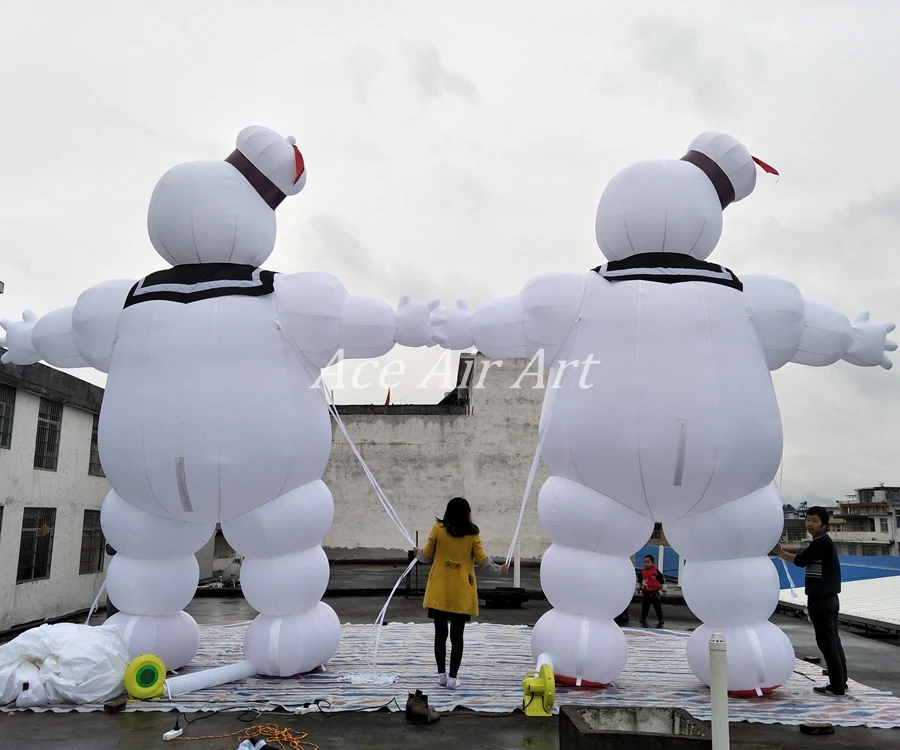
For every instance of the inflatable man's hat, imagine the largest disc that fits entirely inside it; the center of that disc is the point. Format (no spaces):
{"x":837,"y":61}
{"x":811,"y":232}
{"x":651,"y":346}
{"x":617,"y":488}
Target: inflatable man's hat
{"x":271,"y":164}
{"x":727,"y":163}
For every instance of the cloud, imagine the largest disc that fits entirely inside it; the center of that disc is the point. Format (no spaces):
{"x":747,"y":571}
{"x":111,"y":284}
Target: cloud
{"x":879,"y":206}
{"x":432,"y":79}
{"x":364,"y":64}
{"x":843,"y":257}
{"x":362,"y":270}
{"x":671,"y":60}
{"x":164,"y":139}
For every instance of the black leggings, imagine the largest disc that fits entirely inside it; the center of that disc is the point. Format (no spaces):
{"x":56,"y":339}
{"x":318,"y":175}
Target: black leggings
{"x":456,"y":628}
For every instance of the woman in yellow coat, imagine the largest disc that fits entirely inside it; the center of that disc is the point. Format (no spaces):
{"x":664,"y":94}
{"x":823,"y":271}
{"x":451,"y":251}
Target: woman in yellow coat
{"x":451,"y":596}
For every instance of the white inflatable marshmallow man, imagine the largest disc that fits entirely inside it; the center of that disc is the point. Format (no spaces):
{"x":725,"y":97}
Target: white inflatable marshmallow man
{"x":676,"y":420}
{"x":213,"y":412}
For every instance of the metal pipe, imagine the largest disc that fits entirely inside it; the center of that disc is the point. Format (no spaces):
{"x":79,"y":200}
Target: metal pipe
{"x":517,"y":576}
{"x":188,"y":683}
{"x":718,"y":691}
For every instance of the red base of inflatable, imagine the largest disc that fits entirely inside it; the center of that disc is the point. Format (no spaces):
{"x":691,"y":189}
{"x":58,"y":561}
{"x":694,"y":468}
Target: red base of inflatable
{"x":751,"y":693}
{"x":570,"y":682}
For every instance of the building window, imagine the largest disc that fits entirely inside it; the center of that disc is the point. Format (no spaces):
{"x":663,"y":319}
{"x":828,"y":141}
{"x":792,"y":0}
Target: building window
{"x":94,"y":467}
{"x":884,"y":525}
{"x":46,"y":446}
{"x":92,"y":543}
{"x":7,"y":411}
{"x":36,"y":545}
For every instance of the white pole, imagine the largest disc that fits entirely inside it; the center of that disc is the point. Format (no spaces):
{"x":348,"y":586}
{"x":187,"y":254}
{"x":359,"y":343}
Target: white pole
{"x":188,"y":683}
{"x":517,"y":576}
{"x":718,"y":692}
{"x":680,"y":568}
{"x":659,"y":563}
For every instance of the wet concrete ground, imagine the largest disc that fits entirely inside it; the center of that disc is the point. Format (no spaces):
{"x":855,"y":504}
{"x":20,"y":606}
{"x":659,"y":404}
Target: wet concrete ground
{"x":871,"y":662}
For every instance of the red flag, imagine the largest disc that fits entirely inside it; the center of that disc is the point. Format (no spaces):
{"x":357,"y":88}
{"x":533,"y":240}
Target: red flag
{"x":765,"y":167}
{"x":387,"y":401}
{"x":298,"y":165}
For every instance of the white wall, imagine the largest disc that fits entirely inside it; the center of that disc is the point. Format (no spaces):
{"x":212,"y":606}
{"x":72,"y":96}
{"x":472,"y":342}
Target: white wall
{"x":69,"y":489}
{"x":423,"y":461}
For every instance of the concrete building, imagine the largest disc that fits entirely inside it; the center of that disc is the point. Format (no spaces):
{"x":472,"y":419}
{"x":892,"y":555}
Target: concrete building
{"x":865,"y":524}
{"x":477,"y":442}
{"x":51,"y":488}
{"x":52,"y":485}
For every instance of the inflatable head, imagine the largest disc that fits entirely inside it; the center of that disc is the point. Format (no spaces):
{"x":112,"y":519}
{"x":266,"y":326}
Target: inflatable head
{"x":669,"y":206}
{"x":224,"y":211}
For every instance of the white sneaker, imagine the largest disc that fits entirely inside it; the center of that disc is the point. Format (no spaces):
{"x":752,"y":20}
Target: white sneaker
{"x":453,"y":683}
{"x":442,"y":679}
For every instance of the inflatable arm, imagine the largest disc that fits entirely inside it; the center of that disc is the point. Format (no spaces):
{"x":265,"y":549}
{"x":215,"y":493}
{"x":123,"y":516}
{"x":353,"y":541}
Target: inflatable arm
{"x":539,"y":317}
{"x":324,"y":319}
{"x":82,"y":335}
{"x":808,"y":332}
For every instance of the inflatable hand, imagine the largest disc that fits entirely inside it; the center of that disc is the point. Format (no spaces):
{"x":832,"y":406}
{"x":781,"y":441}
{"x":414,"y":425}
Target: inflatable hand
{"x":451,"y":327}
{"x":414,"y":321}
{"x":19,"y":350}
{"x":870,"y":343}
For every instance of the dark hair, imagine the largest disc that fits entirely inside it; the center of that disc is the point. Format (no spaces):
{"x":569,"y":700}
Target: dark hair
{"x":458,"y":518}
{"x":822,"y":513}
{"x":651,"y":558}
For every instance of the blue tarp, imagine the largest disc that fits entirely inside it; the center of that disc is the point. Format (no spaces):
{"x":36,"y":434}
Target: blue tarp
{"x":853,"y":567}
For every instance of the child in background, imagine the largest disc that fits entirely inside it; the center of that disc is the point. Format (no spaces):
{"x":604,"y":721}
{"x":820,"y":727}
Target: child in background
{"x":652,"y":581}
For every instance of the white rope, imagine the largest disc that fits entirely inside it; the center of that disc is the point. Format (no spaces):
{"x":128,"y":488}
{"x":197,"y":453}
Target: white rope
{"x":790,"y":580}
{"x":760,"y":661}
{"x":96,"y":603}
{"x":386,"y":504}
{"x":382,"y":497}
{"x":381,"y":615}
{"x":389,"y":509}
{"x":531,"y":474}
{"x":787,"y":572}
{"x":563,"y":350}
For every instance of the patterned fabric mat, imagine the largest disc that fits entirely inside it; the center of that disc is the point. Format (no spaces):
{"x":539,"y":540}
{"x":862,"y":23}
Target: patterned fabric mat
{"x":495,"y":660}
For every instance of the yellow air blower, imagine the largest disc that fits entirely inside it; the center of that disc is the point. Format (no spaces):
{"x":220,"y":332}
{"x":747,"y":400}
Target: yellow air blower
{"x":145,"y":677}
{"x":539,"y":687}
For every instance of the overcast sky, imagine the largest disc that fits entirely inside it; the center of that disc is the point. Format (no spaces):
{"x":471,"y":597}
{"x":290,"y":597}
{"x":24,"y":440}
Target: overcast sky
{"x":458,"y":149}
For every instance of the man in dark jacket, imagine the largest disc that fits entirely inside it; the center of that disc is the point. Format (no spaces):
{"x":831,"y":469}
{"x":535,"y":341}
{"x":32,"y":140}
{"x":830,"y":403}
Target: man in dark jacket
{"x":823,"y":584}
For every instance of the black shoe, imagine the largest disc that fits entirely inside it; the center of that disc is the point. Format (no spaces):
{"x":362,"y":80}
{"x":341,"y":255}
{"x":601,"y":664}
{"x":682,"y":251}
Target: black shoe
{"x":825,"y":674}
{"x":644,"y":621}
{"x":660,"y":623}
{"x":828,"y":690}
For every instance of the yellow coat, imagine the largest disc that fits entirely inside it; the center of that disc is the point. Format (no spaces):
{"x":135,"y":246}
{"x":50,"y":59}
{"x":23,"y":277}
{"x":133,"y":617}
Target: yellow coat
{"x":451,"y":583}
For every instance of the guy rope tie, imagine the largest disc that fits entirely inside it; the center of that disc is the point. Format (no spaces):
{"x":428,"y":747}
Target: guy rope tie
{"x":389,"y":509}
{"x":386,"y":504}
{"x":563,"y":349}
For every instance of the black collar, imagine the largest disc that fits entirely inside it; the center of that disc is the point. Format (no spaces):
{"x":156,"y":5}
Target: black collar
{"x":197,"y":281}
{"x":668,"y":268}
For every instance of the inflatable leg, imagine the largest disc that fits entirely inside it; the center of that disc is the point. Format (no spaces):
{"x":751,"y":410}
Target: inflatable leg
{"x":732,"y":586}
{"x":588,"y":577}
{"x":284,"y":576}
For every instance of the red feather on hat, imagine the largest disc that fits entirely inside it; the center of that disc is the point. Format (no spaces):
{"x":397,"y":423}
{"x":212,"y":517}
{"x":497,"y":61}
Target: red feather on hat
{"x":765,"y":167}
{"x":298,"y":160}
